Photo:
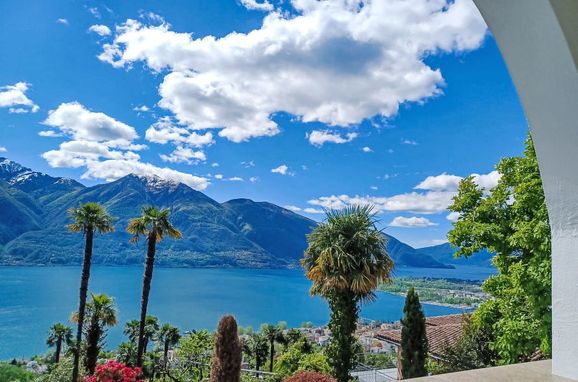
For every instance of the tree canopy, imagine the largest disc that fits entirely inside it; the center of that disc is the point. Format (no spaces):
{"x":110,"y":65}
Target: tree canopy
{"x":511,"y":221}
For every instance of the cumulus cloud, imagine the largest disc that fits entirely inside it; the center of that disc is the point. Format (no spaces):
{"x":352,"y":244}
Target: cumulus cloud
{"x":142,"y":108}
{"x":258,"y":6}
{"x":283,"y":170}
{"x":3,"y":149}
{"x":184,"y":155}
{"x":165,"y":131}
{"x":105,"y":147}
{"x":236,"y":179}
{"x":219,"y":176}
{"x":409,"y":142}
{"x":436,"y":197}
{"x":440,"y":183}
{"x":101,"y":30}
{"x":253,"y":179}
{"x":310,"y":210}
{"x":367,"y":149}
{"x":446,"y":182}
{"x":335,"y":62}
{"x":14,"y":97}
{"x":411,"y":222}
{"x":292,"y":208}
{"x":75,"y":120}
{"x":62,"y":21}
{"x":453,"y":216}
{"x":320,"y":137}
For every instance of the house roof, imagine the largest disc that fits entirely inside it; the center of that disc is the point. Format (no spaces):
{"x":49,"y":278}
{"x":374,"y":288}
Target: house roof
{"x":441,"y":332}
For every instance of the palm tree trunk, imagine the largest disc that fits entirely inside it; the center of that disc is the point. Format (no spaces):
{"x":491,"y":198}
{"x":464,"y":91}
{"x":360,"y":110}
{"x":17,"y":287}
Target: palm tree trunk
{"x":82,"y":300}
{"x":58,"y":349}
{"x":271,"y":356}
{"x":146,"y":288}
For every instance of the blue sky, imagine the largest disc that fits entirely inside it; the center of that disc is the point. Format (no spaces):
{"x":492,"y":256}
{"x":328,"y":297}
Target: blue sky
{"x":304,"y":104}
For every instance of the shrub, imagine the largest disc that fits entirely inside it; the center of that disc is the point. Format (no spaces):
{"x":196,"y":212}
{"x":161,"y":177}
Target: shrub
{"x":226,"y":365}
{"x":309,"y":376}
{"x":113,"y":371}
{"x":12,"y":373}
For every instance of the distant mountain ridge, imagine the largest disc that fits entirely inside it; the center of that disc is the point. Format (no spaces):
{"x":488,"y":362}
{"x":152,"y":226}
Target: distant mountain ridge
{"x":236,"y":233}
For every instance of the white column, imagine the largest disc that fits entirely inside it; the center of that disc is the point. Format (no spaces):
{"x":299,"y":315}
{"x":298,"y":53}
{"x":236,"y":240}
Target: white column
{"x":538,"y":40}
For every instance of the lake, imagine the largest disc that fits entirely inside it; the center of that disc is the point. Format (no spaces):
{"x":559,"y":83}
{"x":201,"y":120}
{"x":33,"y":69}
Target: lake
{"x":34,"y":298}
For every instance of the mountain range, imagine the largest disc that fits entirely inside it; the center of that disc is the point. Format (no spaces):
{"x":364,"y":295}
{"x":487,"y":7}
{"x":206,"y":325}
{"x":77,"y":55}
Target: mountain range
{"x":236,"y":233}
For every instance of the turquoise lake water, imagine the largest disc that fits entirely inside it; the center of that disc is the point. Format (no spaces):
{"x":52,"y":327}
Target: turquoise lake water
{"x":34,"y":298}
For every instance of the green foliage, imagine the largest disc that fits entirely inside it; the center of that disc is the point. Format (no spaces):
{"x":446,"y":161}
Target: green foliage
{"x":414,"y":346}
{"x":273,"y":334}
{"x":12,"y":373}
{"x":61,"y":372}
{"x":227,"y":354}
{"x":195,"y":346}
{"x":301,"y":357}
{"x":256,"y":347}
{"x":346,"y":260}
{"x":100,"y":314}
{"x":380,"y":360}
{"x":511,"y":221}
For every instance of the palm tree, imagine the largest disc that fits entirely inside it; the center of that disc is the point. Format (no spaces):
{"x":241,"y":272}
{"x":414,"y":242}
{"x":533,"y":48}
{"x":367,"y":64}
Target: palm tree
{"x":273,"y":333}
{"x":168,"y":336}
{"x":346,"y":260}
{"x":59,"y":335}
{"x":154,"y":224}
{"x":257,"y":346}
{"x":88,"y":219}
{"x":100,"y":313}
{"x":131,"y":329}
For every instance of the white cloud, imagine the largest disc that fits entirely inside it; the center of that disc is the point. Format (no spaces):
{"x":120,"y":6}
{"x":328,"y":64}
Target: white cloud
{"x":409,"y":142}
{"x":142,"y":108}
{"x":15,"y":95}
{"x":438,"y":194}
{"x":258,"y":6}
{"x":111,"y":170}
{"x":3,"y":149}
{"x":335,"y":62}
{"x":442,"y":182}
{"x":184,"y":155}
{"x":75,"y":120}
{"x":236,"y":179}
{"x":219,"y":176}
{"x":165,"y":131}
{"x":453,"y":216}
{"x":214,"y":164}
{"x":101,"y":30}
{"x":367,"y":149}
{"x":310,"y":210}
{"x":292,"y":208}
{"x":95,"y":12}
{"x":253,"y":179}
{"x":105,"y":147}
{"x":447,"y":182}
{"x":487,"y":181}
{"x":411,"y":222}
{"x":320,"y":137}
{"x":62,"y":21}
{"x":374,"y":188}
{"x":283,"y":170}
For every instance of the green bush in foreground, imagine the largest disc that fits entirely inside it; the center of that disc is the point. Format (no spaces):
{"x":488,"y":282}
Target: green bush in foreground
{"x":12,"y":373}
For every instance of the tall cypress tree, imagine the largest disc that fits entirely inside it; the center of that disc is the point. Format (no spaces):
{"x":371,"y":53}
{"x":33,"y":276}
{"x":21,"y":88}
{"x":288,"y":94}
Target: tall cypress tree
{"x":226,"y":365}
{"x":414,"y":347}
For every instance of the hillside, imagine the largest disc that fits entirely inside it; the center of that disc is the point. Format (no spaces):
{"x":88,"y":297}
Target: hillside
{"x":444,"y":253}
{"x":237,"y":233}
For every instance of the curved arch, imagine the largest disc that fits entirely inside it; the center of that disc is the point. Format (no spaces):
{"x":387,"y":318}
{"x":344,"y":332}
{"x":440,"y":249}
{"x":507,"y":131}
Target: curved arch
{"x":539,"y":42}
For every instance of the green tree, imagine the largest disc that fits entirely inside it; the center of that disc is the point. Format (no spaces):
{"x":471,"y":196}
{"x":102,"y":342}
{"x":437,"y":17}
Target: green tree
{"x":414,"y":347}
{"x":168,"y":337}
{"x":132,"y":328}
{"x":100,"y":314}
{"x":257,"y":347}
{"x":12,"y":373}
{"x":301,"y":356}
{"x":227,"y":355}
{"x":346,"y":260}
{"x":511,"y":221}
{"x":89,"y":218}
{"x":193,"y":352}
{"x":58,"y":336}
{"x":126,"y":353}
{"x":273,"y":334}
{"x":154,"y":224}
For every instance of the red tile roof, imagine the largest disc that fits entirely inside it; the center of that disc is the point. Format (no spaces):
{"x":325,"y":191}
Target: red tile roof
{"x":441,"y":332}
